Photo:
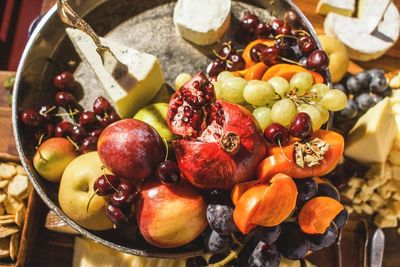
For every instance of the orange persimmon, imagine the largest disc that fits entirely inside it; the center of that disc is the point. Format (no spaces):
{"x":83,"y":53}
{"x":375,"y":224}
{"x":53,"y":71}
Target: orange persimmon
{"x":287,"y":71}
{"x":256,"y":71}
{"x":239,"y":189}
{"x":266,"y":204}
{"x":318,"y":213}
{"x":246,"y":52}
{"x":285,"y":163}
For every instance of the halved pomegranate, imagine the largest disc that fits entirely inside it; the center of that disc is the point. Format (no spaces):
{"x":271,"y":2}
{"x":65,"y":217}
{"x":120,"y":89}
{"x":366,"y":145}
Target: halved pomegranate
{"x":221,"y":143}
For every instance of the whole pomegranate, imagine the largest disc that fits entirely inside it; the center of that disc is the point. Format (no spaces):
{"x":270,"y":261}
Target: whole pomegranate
{"x":130,"y":149}
{"x":221,"y":143}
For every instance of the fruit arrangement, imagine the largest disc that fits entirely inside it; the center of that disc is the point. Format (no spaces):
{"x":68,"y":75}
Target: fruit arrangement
{"x":234,"y":159}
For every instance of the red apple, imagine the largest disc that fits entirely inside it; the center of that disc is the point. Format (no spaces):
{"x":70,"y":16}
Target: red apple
{"x":170,"y":216}
{"x":130,"y":149}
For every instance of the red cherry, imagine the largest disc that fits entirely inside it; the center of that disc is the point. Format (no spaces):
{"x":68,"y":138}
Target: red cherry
{"x":63,"y":129}
{"x":109,"y":118}
{"x":277,"y":23}
{"x":250,"y":22}
{"x":318,"y":60}
{"x":256,"y":50}
{"x":270,"y":56}
{"x":101,"y":106}
{"x":31,"y":117}
{"x":306,"y":44}
{"x":216,"y":67}
{"x":263,"y":30}
{"x":63,"y":81}
{"x":65,"y":100}
{"x":106,"y":184}
{"x":116,"y":215}
{"x":122,"y":198}
{"x":48,"y":112}
{"x":235,"y":62}
{"x":284,"y":30}
{"x":88,"y":118}
{"x":89,"y":144}
{"x":78,"y":133}
{"x":277,"y":134}
{"x":168,"y":172}
{"x":301,"y":126}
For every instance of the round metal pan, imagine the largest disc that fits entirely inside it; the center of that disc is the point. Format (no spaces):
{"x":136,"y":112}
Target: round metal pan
{"x":145,"y":25}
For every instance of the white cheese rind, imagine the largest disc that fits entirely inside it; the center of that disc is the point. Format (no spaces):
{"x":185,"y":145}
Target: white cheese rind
{"x":372,"y":137}
{"x":202,"y":22}
{"x":145,"y":70}
{"x":354,"y":33}
{"x":343,"y":7}
{"x":370,"y":12}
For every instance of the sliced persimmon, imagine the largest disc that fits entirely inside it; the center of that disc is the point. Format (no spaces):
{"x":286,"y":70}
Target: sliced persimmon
{"x":287,"y":71}
{"x":282,"y":160}
{"x":318,"y":213}
{"x":266,"y":204}
{"x":277,"y":202}
{"x":239,"y":189}
{"x":255,"y":72}
{"x":246,"y":52}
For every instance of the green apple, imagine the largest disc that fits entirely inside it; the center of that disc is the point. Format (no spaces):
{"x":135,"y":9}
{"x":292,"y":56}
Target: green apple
{"x":52,"y":156}
{"x":76,"y":191}
{"x":156,"y":116}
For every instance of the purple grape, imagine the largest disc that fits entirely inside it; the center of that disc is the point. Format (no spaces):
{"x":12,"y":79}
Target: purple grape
{"x":220,"y":218}
{"x":264,"y":255}
{"x":217,"y":243}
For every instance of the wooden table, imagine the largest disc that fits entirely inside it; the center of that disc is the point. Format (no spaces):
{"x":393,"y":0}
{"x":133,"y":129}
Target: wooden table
{"x":53,"y":249}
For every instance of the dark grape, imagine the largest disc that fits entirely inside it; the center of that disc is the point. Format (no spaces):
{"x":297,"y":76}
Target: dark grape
{"x":307,"y":188}
{"x":326,"y":239}
{"x":378,"y":81}
{"x":350,"y":111}
{"x":198,"y":261}
{"x":341,"y":219}
{"x":387,"y":92}
{"x":364,"y":78}
{"x":235,"y":62}
{"x":217,"y":243}
{"x":354,"y":85}
{"x":216,"y":67}
{"x":340,"y":87}
{"x":277,"y":134}
{"x":220,"y":218}
{"x":31,"y":117}
{"x":116,"y":215}
{"x":292,"y":243}
{"x":106,"y":184}
{"x":364,"y":101}
{"x":327,"y":190}
{"x":264,"y":255}
{"x":267,"y":234}
{"x":167,"y":172}
{"x":314,"y":247}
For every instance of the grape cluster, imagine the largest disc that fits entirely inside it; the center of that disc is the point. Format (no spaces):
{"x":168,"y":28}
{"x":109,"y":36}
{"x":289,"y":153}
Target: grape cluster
{"x":67,"y":118}
{"x":121,"y":196}
{"x":279,"y":101}
{"x":364,"y":90}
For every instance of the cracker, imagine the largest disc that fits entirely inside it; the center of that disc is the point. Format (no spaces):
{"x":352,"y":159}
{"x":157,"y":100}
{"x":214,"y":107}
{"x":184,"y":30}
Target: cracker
{"x":4,"y":247}
{"x":20,"y":170}
{"x":3,"y":196}
{"x":8,"y":230}
{"x":13,"y":205}
{"x":3,"y":183}
{"x":20,"y":217}
{"x":14,"y":245}
{"x":18,"y":186}
{"x":7,"y":171}
{"x":2,"y":210}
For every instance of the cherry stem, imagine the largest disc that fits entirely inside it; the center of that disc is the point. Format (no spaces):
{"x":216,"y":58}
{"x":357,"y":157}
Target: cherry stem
{"x":47,"y":111}
{"x":302,"y":31}
{"x":40,"y":140}
{"x":283,"y":152}
{"x":73,"y":143}
{"x":291,"y":61}
{"x":225,"y":57}
{"x":286,"y":36}
{"x":90,"y":200}
{"x":166,"y":148}
{"x":105,"y":177}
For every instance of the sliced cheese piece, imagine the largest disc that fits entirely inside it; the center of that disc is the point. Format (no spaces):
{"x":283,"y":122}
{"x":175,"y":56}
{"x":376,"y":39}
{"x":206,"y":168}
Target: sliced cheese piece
{"x":202,"y":22}
{"x":372,"y":136}
{"x":343,"y":7}
{"x":370,"y":12}
{"x":145,"y":70}
{"x":356,"y":34}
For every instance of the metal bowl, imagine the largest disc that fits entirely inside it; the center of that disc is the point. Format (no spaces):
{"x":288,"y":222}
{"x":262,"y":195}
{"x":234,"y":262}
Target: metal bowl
{"x":145,"y":25}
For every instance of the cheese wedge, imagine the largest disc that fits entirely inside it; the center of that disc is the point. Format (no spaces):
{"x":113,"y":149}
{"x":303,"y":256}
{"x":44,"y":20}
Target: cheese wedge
{"x":372,"y":136}
{"x":146,"y":77}
{"x":342,"y":7}
{"x":355,"y":33}
{"x":202,"y":22}
{"x":370,"y":12}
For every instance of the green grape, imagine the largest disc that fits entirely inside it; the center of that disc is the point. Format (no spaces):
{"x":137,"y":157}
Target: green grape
{"x":280,"y":84}
{"x":263,"y":116}
{"x":314,"y":114}
{"x":258,"y":93}
{"x":319,"y":89}
{"x":283,"y":111}
{"x":181,"y":79}
{"x":222,"y":76}
{"x":218,"y":89}
{"x":232,"y":90}
{"x":301,"y":82}
{"x":271,"y":104}
{"x":334,"y":100}
{"x":323,"y":111}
